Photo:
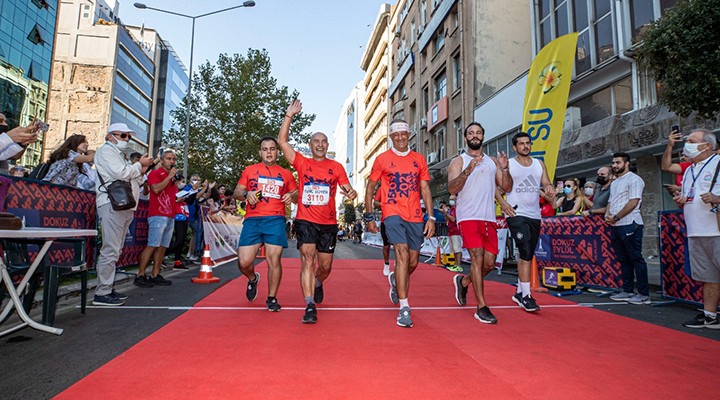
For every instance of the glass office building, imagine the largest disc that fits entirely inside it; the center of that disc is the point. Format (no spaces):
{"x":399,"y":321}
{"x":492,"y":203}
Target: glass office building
{"x":27,"y":29}
{"x":133,"y":89}
{"x":172,"y":88}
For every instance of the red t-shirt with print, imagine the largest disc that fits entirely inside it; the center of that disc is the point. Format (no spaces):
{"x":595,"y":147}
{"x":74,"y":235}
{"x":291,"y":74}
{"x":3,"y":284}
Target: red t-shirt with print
{"x":163,"y":203}
{"x":273,"y":182}
{"x":399,"y":179}
{"x":318,"y":182}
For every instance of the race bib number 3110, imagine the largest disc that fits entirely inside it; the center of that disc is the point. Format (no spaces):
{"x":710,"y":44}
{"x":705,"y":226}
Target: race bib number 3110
{"x":316,"y":194}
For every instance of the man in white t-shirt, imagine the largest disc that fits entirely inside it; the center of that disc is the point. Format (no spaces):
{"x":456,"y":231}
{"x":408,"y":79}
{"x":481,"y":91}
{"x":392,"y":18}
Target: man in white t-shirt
{"x":699,"y":200}
{"x":626,"y":230}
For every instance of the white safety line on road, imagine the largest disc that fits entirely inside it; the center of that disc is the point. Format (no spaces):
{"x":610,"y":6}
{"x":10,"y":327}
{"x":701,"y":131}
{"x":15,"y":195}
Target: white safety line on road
{"x":221,"y":308}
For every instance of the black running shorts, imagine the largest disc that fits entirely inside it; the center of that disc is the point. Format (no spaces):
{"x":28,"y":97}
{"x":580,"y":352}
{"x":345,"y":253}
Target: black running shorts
{"x":525,"y":232}
{"x":324,"y":237}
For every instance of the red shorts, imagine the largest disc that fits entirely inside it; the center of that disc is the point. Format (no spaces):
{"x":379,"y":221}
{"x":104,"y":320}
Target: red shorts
{"x":479,"y":235}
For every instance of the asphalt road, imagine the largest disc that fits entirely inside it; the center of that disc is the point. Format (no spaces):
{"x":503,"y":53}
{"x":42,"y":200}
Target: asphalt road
{"x":36,"y":365}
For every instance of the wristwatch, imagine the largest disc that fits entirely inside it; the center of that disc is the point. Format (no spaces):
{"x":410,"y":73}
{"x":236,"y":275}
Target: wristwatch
{"x":615,"y":218}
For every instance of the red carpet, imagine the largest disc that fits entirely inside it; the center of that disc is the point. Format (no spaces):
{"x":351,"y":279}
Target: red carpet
{"x":560,"y":353}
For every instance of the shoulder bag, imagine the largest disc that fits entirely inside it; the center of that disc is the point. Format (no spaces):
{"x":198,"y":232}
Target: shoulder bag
{"x":120,"y":194}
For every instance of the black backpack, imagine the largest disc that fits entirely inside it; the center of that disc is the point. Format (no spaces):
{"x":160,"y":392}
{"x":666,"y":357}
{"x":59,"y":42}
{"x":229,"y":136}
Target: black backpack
{"x":40,"y":171}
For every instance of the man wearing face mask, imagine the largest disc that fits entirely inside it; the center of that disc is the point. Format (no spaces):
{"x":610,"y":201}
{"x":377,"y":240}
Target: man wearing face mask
{"x":112,"y":165}
{"x":699,"y":200}
{"x":601,"y":195}
{"x":626,"y":230}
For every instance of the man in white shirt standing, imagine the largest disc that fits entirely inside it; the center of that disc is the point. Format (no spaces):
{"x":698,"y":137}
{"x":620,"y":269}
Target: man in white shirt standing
{"x":626,"y":230}
{"x":700,"y":203}
{"x":112,"y":165}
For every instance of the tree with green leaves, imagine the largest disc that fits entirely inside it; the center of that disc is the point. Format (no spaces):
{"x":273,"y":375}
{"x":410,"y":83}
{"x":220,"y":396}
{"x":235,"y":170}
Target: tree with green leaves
{"x":681,"y":51}
{"x":349,"y":217}
{"x":235,"y":102}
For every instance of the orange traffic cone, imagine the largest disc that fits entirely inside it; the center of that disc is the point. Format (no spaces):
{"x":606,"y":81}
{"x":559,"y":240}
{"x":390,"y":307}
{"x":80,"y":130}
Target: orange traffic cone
{"x":438,"y":258}
{"x":535,"y":279}
{"x":205,"y":275}
{"x":262,"y":252}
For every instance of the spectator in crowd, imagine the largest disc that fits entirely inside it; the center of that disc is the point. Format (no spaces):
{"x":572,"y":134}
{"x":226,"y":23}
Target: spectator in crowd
{"x":626,"y":230}
{"x":456,"y":244}
{"x":195,"y":216}
{"x":572,"y":201}
{"x":18,"y":171}
{"x":66,"y":162}
{"x":404,"y":180}
{"x":588,"y":194}
{"x":14,"y":141}
{"x":266,"y":188}
{"x":667,"y":165}
{"x":601,"y":193}
{"x":111,"y":164}
{"x":180,"y":224}
{"x":547,"y":204}
{"x":357,"y":232}
{"x":700,"y":206}
{"x":316,"y":222}
{"x":160,"y":220}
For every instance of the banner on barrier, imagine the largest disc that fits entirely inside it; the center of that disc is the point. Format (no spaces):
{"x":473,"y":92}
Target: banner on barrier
{"x":222,"y":233}
{"x":581,"y":244}
{"x":47,"y":205}
{"x":674,"y":261}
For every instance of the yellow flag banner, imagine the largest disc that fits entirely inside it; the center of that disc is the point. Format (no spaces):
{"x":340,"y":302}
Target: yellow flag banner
{"x":546,"y":96}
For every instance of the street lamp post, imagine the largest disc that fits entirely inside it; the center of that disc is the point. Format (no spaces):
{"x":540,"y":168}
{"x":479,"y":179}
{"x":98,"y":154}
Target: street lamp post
{"x":142,"y":6}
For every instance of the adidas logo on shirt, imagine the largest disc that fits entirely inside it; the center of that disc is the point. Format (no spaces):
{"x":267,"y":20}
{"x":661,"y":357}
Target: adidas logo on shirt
{"x":528,"y":185}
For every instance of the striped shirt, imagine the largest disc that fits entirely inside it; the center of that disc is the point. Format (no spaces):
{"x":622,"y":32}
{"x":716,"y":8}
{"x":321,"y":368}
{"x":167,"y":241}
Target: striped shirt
{"x":622,"y":190}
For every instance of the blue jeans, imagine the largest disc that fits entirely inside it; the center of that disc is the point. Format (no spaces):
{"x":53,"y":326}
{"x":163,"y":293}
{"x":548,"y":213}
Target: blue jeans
{"x":627,"y":242}
{"x":197,"y":227}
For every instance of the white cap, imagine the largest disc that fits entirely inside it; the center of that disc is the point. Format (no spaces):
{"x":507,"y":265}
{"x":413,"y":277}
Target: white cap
{"x":119,"y":127}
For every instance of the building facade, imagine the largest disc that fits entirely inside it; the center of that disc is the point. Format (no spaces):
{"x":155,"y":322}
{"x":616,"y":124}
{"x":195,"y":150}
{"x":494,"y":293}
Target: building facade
{"x":100,"y":76}
{"x":375,"y":63}
{"x":612,"y":104}
{"x":349,"y":141}
{"x":449,"y":55}
{"x":27,"y":38}
{"x":171,"y":79}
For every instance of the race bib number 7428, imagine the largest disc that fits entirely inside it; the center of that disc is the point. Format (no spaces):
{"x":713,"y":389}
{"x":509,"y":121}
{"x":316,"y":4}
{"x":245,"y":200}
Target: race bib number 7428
{"x":316,"y":194}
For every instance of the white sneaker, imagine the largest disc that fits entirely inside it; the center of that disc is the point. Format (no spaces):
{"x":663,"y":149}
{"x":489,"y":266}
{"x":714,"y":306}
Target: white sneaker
{"x":386,"y":270}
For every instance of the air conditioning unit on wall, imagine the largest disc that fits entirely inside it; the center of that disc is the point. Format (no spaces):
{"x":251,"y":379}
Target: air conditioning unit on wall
{"x":573,"y":119}
{"x":432,"y":158}
{"x":423,"y":122}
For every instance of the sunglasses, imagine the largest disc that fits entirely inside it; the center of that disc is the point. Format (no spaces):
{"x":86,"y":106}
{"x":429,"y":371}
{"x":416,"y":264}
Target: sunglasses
{"x":568,"y":186}
{"x":121,"y":135}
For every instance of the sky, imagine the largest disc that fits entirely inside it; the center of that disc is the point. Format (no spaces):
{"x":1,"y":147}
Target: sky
{"x":315,"y":46}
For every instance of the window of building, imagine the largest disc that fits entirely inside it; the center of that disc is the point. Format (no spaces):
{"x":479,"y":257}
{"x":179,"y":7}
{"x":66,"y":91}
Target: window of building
{"x":562,"y":21}
{"x":439,"y":39}
{"x":457,"y":77}
{"x":143,"y":127}
{"x":426,"y":100}
{"x":440,"y":84}
{"x":412,"y":32}
{"x":641,"y":15}
{"x":456,"y":19}
{"x":604,"y":34}
{"x":40,"y":3}
{"x":134,"y":66}
{"x":440,"y":141}
{"x":615,"y":99}
{"x":667,"y":5}
{"x":423,"y":12}
{"x":36,"y":35}
{"x":458,"y":128}
{"x":134,"y":93}
{"x":86,"y":11}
